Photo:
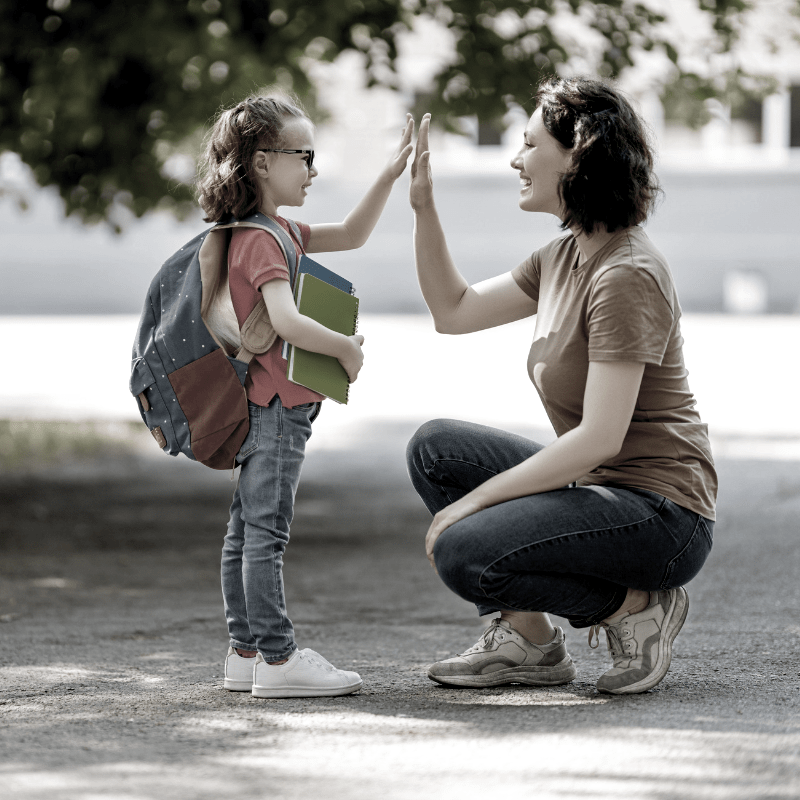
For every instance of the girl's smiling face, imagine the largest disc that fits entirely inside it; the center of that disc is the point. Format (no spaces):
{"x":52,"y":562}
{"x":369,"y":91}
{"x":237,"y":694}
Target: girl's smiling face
{"x":285,"y":177}
{"x":541,"y":162}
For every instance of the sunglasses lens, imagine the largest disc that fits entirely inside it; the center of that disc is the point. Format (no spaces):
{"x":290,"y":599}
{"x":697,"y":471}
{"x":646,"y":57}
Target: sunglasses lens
{"x":310,"y":159}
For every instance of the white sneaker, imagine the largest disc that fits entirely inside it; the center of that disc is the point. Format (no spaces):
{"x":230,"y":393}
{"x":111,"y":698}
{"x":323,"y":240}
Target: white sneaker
{"x":305,"y":674}
{"x":238,"y":672}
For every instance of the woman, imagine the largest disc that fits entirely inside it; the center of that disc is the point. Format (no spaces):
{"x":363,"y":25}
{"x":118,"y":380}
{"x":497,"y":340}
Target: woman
{"x":605,"y":525}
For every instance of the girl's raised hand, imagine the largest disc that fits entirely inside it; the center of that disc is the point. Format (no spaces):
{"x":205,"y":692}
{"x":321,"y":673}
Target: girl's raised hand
{"x":397,"y":164}
{"x":421,"y":191}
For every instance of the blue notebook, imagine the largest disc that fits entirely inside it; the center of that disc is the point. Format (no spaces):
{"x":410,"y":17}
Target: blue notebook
{"x":324,"y":274}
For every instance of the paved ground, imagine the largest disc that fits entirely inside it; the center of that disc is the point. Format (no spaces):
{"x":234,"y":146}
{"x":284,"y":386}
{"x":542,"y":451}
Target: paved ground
{"x":112,"y":639}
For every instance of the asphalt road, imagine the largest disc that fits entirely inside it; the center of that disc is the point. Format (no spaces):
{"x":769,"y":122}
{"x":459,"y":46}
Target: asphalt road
{"x":112,"y":640}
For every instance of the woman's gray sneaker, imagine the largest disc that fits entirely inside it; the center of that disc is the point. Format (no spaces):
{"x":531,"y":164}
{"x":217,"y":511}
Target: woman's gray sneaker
{"x":641,"y":644}
{"x":503,"y":656}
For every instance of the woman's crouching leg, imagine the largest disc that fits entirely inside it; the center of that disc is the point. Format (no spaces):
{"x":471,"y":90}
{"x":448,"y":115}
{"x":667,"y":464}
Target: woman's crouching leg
{"x":500,"y":559}
{"x":448,"y":458}
{"x":460,"y":564}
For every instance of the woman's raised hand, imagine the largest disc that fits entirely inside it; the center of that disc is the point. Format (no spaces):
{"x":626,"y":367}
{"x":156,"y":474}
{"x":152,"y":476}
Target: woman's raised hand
{"x":421,"y":191}
{"x":397,"y":164}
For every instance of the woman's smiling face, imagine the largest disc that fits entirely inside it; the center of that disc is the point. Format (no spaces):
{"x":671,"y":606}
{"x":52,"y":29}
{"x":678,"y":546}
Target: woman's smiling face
{"x":541,"y":162}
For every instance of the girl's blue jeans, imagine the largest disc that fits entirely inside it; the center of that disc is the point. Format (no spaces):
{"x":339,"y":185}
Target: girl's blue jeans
{"x":573,"y":552}
{"x":258,"y":530}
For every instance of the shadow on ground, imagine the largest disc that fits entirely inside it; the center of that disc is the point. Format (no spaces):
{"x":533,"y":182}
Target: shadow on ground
{"x":113,"y":639}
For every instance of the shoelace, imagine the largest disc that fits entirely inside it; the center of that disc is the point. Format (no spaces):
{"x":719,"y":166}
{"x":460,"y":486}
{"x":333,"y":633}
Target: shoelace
{"x":487,"y":639}
{"x":315,"y":658}
{"x":615,"y":645}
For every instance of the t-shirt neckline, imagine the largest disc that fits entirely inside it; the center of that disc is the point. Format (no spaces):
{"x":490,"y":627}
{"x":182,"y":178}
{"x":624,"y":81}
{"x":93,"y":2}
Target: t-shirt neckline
{"x":578,"y":268}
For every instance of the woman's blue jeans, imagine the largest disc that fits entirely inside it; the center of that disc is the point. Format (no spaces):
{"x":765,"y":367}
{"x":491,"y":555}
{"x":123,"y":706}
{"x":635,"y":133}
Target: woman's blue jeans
{"x":271,"y":458}
{"x":573,"y":552}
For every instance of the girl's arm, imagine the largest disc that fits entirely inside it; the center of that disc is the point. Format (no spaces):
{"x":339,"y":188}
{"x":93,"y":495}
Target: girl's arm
{"x":308,"y":334}
{"x":608,"y":404}
{"x":359,"y":223}
{"x":456,"y":307}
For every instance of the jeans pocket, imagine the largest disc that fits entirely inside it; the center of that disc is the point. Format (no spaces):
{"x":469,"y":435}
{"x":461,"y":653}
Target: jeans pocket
{"x":311,"y":410}
{"x":691,"y":558}
{"x":250,"y":444}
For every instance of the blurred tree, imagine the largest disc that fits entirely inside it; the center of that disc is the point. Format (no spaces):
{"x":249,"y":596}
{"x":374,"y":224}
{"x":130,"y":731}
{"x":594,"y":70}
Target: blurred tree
{"x":100,"y":97}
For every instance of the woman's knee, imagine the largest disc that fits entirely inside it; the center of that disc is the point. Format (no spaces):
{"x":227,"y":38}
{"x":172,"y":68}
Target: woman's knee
{"x":427,"y":442}
{"x":456,"y":570}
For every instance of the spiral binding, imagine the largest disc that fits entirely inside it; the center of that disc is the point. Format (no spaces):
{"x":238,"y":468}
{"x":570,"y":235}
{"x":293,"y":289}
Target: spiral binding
{"x":355,"y":331}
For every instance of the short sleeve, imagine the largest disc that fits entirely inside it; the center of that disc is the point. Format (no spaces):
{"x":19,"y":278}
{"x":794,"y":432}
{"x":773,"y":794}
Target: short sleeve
{"x":257,"y":256}
{"x":305,"y":233}
{"x":628,"y":318}
{"x":528,"y":275}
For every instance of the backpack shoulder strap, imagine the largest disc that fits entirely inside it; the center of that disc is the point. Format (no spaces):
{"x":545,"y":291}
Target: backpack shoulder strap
{"x":297,"y":233}
{"x":257,"y":332}
{"x":259,"y":220}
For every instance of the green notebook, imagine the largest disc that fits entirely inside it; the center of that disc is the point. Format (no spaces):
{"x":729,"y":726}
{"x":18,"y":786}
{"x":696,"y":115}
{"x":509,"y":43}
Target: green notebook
{"x":336,"y":310}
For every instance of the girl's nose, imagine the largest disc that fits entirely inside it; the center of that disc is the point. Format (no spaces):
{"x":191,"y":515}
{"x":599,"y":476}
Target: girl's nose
{"x":313,"y":172}
{"x":516,"y":161}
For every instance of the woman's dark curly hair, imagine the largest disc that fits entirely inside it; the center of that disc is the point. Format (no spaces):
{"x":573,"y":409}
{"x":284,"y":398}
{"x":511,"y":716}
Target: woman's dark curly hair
{"x":226,"y":186}
{"x":610,"y":181}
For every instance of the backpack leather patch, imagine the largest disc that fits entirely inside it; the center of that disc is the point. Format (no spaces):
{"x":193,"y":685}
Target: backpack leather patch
{"x":215,"y":404}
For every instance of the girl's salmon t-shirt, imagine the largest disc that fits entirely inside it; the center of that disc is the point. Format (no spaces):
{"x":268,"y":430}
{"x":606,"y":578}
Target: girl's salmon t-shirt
{"x":255,"y":258}
{"x":620,"y":305}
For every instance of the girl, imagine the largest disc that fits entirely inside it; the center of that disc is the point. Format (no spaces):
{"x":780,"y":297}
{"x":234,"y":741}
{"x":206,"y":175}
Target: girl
{"x":259,"y":157}
{"x":606,"y":525}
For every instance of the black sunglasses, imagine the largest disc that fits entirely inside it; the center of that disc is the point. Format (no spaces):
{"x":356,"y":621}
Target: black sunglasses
{"x":308,"y":153}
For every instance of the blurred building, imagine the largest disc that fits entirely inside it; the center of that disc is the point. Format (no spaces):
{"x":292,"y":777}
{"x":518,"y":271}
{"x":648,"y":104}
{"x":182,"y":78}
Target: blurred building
{"x":754,"y":135}
{"x":732,"y":185}
{"x":727,"y":223}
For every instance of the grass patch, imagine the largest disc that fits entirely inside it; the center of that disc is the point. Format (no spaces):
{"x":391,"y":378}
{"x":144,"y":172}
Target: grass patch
{"x":34,"y":443}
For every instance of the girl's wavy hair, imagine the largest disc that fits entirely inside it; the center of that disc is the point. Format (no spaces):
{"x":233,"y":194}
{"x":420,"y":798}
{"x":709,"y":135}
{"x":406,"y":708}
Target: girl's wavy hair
{"x":226,"y":185}
{"x":610,"y":181}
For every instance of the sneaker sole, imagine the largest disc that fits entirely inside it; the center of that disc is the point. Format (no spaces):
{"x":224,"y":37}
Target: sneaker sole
{"x":238,"y":686}
{"x":674,"y":622}
{"x":304,"y":691}
{"x":563,"y":672}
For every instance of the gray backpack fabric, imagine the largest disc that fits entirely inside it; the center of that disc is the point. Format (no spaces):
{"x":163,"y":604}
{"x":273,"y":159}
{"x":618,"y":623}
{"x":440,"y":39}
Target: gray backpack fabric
{"x":189,"y":388}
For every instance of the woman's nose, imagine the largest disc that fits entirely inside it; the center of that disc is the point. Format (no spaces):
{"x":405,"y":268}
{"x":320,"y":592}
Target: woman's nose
{"x":516,"y":161}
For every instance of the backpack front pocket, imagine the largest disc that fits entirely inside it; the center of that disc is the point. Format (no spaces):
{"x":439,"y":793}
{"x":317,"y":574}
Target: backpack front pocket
{"x":152,"y":407}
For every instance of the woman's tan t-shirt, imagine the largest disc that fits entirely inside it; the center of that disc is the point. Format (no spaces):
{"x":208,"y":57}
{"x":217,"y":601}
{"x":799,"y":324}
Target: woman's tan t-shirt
{"x":620,"y":305}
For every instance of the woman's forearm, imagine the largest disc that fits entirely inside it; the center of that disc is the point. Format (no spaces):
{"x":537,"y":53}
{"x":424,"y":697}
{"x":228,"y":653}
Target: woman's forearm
{"x":442,"y":285}
{"x":569,"y":458}
{"x":612,"y":388}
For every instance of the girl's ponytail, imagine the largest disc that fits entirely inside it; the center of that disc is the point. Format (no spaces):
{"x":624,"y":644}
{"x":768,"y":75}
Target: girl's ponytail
{"x":225,"y":186}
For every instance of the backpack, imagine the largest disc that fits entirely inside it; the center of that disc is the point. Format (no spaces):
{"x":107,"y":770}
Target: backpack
{"x":189,"y":387}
